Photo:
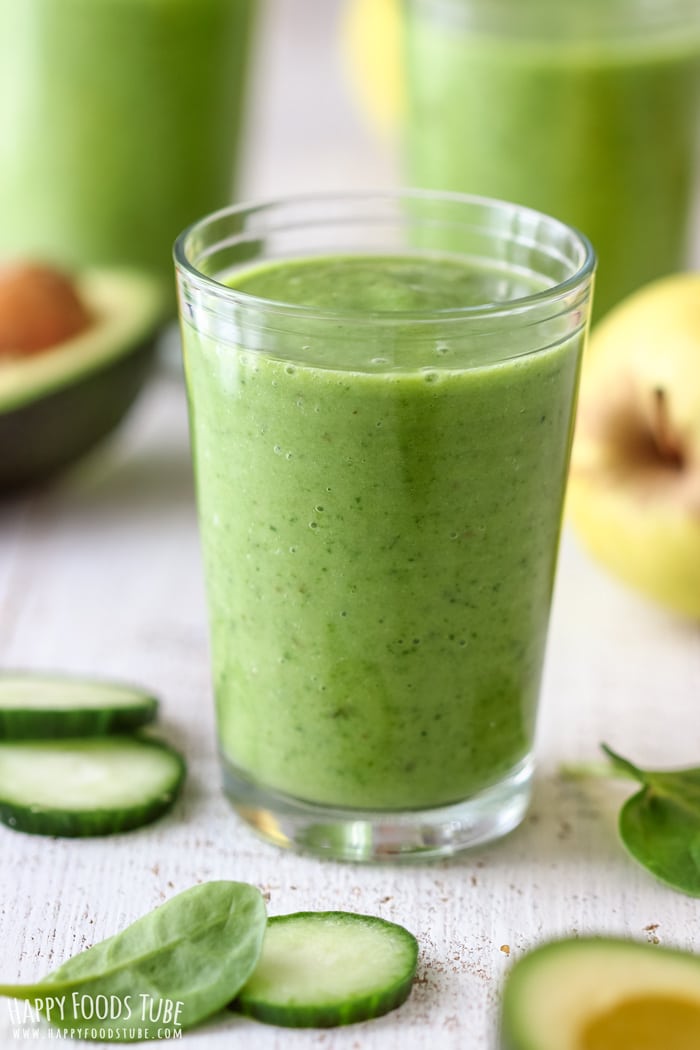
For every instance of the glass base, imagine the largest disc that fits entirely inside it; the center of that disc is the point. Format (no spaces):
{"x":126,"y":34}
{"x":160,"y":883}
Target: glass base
{"x":374,"y":836}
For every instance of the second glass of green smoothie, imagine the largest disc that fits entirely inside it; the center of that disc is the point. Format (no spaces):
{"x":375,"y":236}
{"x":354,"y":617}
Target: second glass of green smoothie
{"x":380,"y":434}
{"x":119,"y":124}
{"x":588,"y":110}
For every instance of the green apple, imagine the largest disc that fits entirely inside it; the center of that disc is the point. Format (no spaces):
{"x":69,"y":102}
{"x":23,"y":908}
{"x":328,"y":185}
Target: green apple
{"x":634,"y":485}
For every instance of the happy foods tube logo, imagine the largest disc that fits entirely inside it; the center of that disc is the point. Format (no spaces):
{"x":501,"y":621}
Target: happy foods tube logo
{"x":82,"y":1015}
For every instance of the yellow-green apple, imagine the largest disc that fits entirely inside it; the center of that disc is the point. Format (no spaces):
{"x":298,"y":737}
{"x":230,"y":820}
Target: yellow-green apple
{"x":371,"y":46}
{"x":634,"y":486}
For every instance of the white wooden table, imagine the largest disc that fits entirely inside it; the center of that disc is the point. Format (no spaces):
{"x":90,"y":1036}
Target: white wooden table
{"x":102,"y":574}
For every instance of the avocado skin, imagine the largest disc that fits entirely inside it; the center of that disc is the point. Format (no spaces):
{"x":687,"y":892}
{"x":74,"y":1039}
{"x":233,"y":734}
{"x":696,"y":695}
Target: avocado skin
{"x":40,"y":438}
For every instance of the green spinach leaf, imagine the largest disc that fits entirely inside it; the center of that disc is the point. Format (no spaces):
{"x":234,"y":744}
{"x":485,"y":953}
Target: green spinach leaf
{"x":660,"y":825}
{"x":171,"y":969}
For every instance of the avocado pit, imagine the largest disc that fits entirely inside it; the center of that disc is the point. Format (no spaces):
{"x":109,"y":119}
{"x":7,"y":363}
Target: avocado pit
{"x":74,"y":354}
{"x":40,"y":307}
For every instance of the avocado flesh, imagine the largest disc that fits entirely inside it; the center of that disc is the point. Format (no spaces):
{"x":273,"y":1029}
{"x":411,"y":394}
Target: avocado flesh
{"x":644,"y":1023}
{"x":56,"y":405}
{"x":602,"y":994}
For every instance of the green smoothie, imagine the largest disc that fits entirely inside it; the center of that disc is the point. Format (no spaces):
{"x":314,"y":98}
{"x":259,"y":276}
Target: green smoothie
{"x":119,"y":121}
{"x":379,"y":531}
{"x":557,"y":105}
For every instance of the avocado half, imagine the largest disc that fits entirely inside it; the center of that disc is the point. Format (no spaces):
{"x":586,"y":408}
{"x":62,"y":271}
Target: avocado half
{"x":602,"y":994}
{"x":57,"y":404}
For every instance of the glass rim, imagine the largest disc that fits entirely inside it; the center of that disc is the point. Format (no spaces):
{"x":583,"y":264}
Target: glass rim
{"x":633,"y":21}
{"x":578,"y":279}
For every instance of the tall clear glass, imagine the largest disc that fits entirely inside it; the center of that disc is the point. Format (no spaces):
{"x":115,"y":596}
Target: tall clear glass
{"x":380,"y":488}
{"x":119,"y":124}
{"x":588,"y":110}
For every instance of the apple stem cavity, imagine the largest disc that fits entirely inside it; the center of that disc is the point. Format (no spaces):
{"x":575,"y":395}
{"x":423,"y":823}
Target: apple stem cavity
{"x":666,"y":441}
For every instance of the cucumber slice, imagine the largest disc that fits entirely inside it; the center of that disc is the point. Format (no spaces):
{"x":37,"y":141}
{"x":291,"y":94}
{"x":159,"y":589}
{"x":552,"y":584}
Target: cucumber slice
{"x":328,"y":968}
{"x":91,"y":786}
{"x":35,"y":706}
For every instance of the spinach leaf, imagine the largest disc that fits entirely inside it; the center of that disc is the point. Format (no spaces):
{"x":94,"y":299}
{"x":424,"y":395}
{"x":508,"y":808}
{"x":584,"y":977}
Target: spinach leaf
{"x":197,"y":950}
{"x":660,"y":825}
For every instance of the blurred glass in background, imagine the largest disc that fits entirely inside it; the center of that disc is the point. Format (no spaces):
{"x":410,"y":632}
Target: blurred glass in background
{"x":119,"y":124}
{"x":588,"y":110}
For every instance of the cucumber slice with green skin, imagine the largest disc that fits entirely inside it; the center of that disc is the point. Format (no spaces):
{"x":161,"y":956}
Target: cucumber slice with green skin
{"x":328,"y":968}
{"x":86,"y":786}
{"x":36,"y":706}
